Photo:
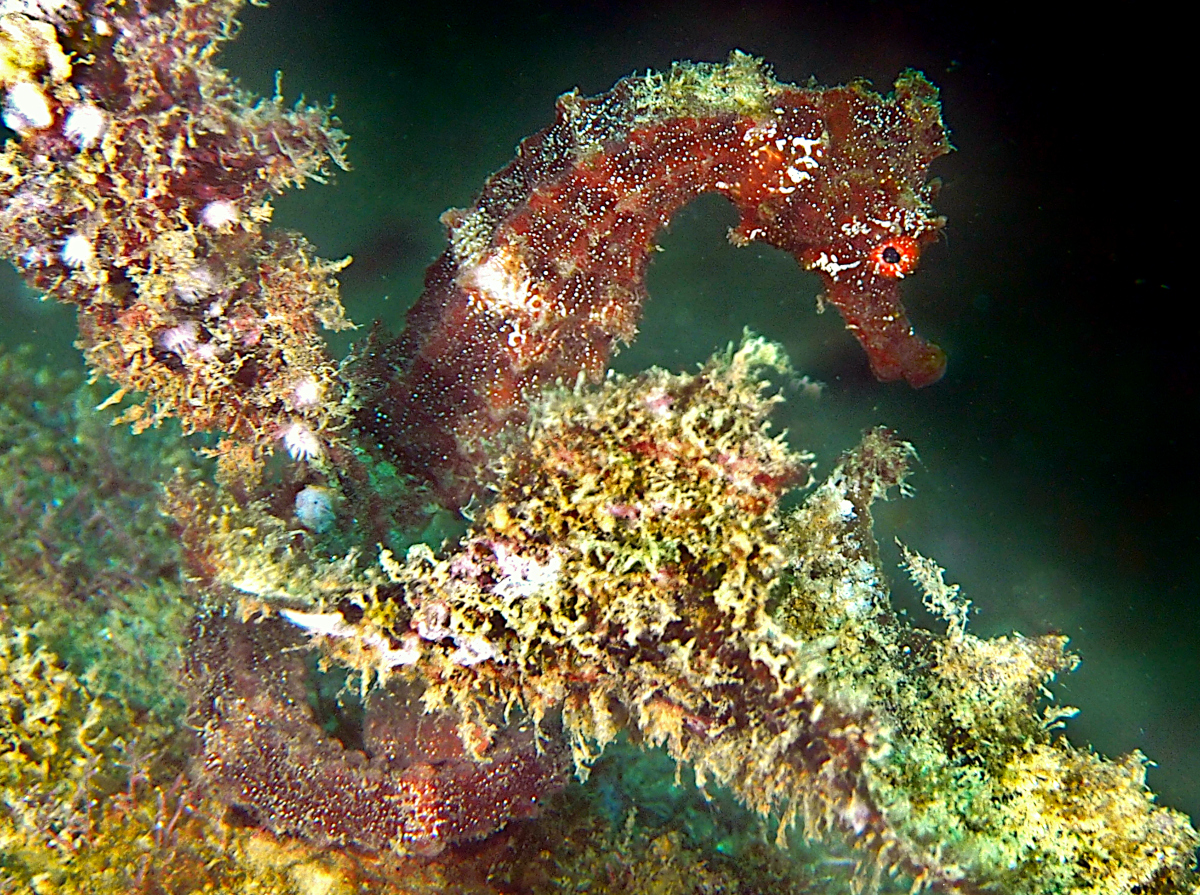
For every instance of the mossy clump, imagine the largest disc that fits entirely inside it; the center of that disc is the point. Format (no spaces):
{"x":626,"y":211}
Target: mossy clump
{"x":634,"y":576}
{"x":88,"y":559}
{"x":974,"y":764}
{"x":95,"y":796}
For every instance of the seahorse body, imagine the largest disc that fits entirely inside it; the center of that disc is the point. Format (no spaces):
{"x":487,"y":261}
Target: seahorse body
{"x":546,"y":273}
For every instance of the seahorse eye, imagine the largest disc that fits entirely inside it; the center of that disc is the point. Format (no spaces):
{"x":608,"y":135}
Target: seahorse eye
{"x":895,"y":258}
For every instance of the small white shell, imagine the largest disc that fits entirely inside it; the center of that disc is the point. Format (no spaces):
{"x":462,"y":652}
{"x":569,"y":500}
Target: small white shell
{"x":26,"y":108}
{"x":77,"y":250}
{"x":301,"y":442}
{"x":314,"y":508}
{"x":219,"y":213}
{"x":85,"y":125}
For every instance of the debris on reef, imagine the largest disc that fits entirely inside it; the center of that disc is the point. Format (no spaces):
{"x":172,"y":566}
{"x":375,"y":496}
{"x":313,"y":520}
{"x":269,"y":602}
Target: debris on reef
{"x":545,"y":274}
{"x":367,"y":718}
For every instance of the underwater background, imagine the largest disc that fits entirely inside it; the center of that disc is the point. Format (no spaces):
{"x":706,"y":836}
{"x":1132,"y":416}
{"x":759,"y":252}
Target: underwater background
{"x":1058,"y":483}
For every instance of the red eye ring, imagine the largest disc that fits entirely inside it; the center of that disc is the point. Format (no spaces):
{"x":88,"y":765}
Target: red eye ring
{"x":895,"y":257}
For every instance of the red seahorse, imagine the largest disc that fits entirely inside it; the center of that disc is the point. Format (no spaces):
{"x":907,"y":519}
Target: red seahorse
{"x":546,"y":273}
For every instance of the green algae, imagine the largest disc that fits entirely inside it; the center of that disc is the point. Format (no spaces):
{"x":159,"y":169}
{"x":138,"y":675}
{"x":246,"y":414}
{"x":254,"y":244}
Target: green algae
{"x":97,"y":794}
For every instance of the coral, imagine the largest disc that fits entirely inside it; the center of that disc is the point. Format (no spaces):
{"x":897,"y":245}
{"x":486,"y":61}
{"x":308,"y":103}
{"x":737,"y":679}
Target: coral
{"x":85,"y":812}
{"x":545,"y":274}
{"x":86,"y":548}
{"x":654,"y":503}
{"x":91,"y":622}
{"x":972,"y":764}
{"x":641,"y":820}
{"x":100,"y":750}
{"x":95,"y":792}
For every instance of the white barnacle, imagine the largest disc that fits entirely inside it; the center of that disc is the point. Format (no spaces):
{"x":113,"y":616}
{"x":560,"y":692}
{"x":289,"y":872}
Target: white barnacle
{"x":196,"y":283}
{"x":179,"y":339}
{"x":26,"y":108}
{"x":306,"y":393}
{"x":85,"y":125}
{"x":77,"y":250}
{"x":300,"y":442}
{"x":219,"y":213}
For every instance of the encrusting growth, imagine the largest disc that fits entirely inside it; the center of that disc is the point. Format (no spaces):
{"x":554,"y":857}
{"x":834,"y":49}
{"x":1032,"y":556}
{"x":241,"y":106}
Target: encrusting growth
{"x":633,"y":575}
{"x":972,"y":765}
{"x":139,"y":192}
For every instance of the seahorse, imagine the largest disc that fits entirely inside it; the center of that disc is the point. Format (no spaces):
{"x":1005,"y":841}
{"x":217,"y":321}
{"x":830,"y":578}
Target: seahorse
{"x":545,"y":273}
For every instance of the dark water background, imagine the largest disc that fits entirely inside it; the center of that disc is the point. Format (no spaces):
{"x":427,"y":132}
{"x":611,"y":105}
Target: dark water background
{"x":1058,"y":482}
